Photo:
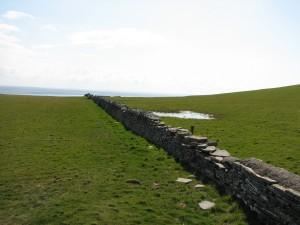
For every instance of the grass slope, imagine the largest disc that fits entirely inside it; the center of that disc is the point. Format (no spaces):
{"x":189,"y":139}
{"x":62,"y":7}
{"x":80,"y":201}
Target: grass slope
{"x":264,"y":124}
{"x":65,"y":161}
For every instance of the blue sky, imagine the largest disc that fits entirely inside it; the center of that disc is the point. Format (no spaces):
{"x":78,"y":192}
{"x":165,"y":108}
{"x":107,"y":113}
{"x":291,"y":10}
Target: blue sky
{"x":173,"y":47}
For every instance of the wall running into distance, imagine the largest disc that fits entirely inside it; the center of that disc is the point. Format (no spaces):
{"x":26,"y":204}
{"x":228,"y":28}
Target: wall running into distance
{"x":271,"y":193}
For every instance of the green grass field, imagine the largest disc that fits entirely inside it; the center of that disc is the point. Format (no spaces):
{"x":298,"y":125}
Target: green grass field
{"x":264,"y":124}
{"x":65,"y":161}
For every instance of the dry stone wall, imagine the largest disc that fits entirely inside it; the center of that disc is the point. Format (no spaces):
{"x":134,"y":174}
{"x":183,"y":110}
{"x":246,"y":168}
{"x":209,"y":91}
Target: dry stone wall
{"x":272,"y":193}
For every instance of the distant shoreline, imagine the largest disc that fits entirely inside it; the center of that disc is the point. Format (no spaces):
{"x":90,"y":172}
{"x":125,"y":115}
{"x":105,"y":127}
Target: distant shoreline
{"x":57,"y":92}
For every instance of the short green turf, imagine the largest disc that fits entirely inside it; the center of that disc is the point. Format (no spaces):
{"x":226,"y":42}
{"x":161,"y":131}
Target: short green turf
{"x":65,"y":161}
{"x":264,"y":124}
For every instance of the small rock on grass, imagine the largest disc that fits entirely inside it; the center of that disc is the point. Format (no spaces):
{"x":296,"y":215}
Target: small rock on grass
{"x":184,"y":180}
{"x":199,"y":186}
{"x":206,"y":205}
{"x":155,"y":186}
{"x":182,"y":205}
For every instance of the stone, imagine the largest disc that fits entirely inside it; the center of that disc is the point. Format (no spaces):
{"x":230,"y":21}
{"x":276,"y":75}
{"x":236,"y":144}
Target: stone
{"x":173,"y":129}
{"x":222,"y":153}
{"x":199,"y":186}
{"x":201,"y":146}
{"x":153,"y":117}
{"x":293,"y":193}
{"x":220,"y":165}
{"x":184,"y":180}
{"x":182,"y":205}
{"x":219,"y":158}
{"x":195,"y":144}
{"x":209,"y":149}
{"x":183,"y":133}
{"x":261,"y":178}
{"x":206,"y":205}
{"x":189,"y":139}
{"x":199,"y":153}
{"x":155,"y":186}
{"x":212,"y":143}
{"x":281,"y":188}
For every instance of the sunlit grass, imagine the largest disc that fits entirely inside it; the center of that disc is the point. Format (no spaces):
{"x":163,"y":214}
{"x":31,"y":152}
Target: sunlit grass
{"x":65,"y":161}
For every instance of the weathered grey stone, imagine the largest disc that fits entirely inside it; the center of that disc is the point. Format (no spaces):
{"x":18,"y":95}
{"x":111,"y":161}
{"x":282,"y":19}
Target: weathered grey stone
{"x":199,"y":186}
{"x":262,"y":178}
{"x":206,"y":205}
{"x":212,"y":143}
{"x":209,"y":159}
{"x":220,"y":165}
{"x":218,"y":158}
{"x":173,"y":129}
{"x":153,"y":117}
{"x":209,"y":149}
{"x":199,"y":153}
{"x":284,"y":177}
{"x":230,"y":160}
{"x":183,"y":133}
{"x":222,"y":153}
{"x":293,"y":192}
{"x":184,"y":180}
{"x":189,"y":139}
{"x":155,"y":186}
{"x":195,"y":144}
{"x":201,"y":146}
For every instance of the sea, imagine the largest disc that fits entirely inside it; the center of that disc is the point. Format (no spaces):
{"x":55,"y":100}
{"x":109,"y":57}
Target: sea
{"x":38,"y":91}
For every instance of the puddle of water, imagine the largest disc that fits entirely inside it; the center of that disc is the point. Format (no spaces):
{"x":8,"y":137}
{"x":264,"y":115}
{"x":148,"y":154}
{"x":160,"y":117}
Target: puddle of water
{"x":186,"y":115}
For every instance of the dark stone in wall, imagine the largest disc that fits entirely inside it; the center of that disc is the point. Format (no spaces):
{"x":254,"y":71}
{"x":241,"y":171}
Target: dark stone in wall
{"x":272,"y":193}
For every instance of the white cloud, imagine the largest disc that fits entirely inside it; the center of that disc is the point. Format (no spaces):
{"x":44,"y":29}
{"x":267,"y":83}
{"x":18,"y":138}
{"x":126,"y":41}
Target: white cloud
{"x":12,"y":52}
{"x":5,"y":38}
{"x":49,"y":27}
{"x":7,"y":28}
{"x":112,"y":38}
{"x":87,"y":55}
{"x":8,"y":39}
{"x":46,"y":46}
{"x":14,"y":15}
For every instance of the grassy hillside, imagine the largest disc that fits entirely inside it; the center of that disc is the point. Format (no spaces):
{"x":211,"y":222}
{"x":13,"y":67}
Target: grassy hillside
{"x":65,"y":161}
{"x":264,"y":124}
